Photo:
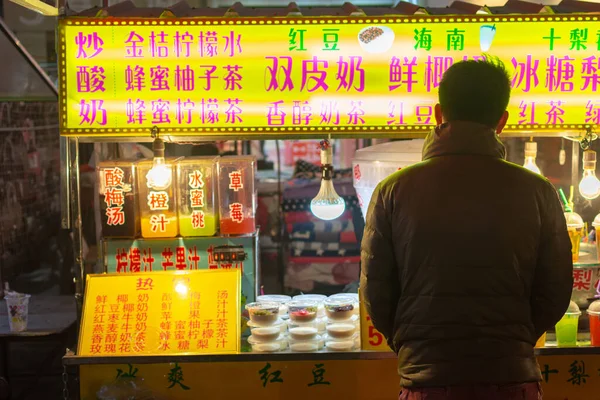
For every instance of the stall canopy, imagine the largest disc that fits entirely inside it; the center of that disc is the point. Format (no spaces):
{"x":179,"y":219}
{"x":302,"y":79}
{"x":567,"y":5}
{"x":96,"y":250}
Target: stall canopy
{"x":182,"y":9}
{"x":22,"y":77}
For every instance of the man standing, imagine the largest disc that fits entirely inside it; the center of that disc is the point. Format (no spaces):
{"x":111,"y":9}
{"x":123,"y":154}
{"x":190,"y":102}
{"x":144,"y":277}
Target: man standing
{"x":466,"y":260}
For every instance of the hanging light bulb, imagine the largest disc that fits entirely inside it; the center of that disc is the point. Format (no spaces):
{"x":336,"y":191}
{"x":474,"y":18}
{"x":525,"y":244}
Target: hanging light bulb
{"x":589,"y":187}
{"x":530,"y":154}
{"x":562,"y":154}
{"x":327,"y":205}
{"x":160,"y":175}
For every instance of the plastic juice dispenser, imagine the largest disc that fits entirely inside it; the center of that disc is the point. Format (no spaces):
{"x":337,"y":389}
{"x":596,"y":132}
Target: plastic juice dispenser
{"x":158,"y":206}
{"x":118,"y":199}
{"x":575,"y":227}
{"x":373,"y":164}
{"x":196,"y":195}
{"x":237,"y":195}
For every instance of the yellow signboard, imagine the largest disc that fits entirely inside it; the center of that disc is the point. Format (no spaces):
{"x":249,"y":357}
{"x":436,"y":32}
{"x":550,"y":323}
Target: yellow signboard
{"x":564,"y":377}
{"x":178,"y":312}
{"x":370,"y":338}
{"x":368,"y":75}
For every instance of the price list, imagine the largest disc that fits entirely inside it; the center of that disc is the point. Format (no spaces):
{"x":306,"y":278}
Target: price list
{"x":179,"y":312}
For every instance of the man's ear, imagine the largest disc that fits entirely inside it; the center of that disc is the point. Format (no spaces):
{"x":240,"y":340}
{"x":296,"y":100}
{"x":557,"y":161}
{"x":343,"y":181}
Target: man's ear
{"x":439,"y":117}
{"x":502,"y":123}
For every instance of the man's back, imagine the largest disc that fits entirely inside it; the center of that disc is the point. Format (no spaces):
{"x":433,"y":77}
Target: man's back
{"x":470,"y":237}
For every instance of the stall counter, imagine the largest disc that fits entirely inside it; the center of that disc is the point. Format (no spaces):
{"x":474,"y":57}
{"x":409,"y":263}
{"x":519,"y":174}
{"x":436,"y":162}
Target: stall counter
{"x":568,"y":373}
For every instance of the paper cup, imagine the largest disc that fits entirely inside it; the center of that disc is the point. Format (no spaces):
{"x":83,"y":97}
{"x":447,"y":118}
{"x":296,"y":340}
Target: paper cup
{"x":18,"y":311}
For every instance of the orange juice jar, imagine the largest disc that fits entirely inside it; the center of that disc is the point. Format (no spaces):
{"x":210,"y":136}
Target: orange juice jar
{"x":157,"y":204}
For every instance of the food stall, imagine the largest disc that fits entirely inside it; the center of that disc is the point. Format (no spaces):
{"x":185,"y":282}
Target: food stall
{"x":179,"y":241}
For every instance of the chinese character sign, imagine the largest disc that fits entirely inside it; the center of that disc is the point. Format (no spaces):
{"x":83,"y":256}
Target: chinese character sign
{"x":342,"y":75}
{"x":118,"y":208}
{"x":161,"y":313}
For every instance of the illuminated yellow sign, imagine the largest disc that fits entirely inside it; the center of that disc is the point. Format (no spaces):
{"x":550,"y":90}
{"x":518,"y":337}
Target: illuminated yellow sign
{"x":257,"y":76}
{"x":566,"y":376}
{"x":370,"y":338}
{"x":161,"y":313}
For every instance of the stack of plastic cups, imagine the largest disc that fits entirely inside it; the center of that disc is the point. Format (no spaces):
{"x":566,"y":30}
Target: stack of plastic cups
{"x":267,"y":330}
{"x":319,"y":299}
{"x":342,"y":324}
{"x":594,"y":314}
{"x":304,"y":326}
{"x":356,"y":300}
{"x":566,"y":328}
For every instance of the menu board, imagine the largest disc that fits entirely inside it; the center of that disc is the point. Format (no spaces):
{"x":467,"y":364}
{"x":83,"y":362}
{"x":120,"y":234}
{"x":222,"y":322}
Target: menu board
{"x":368,"y":75}
{"x":192,"y":312}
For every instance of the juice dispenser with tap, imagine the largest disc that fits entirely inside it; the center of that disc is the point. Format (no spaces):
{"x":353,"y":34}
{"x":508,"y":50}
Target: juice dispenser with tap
{"x":118,"y":199}
{"x":196,"y":195}
{"x":237,"y":195}
{"x":158,"y":206}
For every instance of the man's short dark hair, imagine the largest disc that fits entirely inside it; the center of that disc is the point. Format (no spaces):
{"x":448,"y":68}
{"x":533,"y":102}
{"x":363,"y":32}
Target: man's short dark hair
{"x":476,"y":91}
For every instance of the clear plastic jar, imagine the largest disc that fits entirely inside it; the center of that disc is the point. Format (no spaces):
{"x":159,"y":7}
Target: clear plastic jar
{"x":263,"y":314}
{"x":302,"y":311}
{"x":339,"y":309}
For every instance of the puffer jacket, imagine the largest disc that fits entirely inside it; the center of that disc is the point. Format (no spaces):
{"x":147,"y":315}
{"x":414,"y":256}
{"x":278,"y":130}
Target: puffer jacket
{"x":466,"y":261}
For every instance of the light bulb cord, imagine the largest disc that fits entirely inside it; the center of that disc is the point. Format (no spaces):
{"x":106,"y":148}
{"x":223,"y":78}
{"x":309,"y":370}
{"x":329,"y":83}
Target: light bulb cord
{"x":158,"y":147}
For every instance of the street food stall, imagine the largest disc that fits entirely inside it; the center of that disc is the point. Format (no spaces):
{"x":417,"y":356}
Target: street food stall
{"x":177,"y":311}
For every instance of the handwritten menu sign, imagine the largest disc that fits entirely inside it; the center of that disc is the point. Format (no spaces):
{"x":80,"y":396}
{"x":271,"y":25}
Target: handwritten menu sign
{"x":253,"y":76}
{"x":161,"y":313}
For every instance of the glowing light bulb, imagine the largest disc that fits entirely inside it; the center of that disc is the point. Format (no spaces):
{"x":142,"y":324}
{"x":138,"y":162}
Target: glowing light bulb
{"x":589,"y":187}
{"x":327,"y":204}
{"x":181,"y":288}
{"x":530,"y":155}
{"x":160,"y":175}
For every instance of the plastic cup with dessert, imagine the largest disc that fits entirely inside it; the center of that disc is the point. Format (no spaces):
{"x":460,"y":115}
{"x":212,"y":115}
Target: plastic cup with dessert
{"x":263,"y":313}
{"x":302,"y":311}
{"x":281,"y":299}
{"x":339,"y":309}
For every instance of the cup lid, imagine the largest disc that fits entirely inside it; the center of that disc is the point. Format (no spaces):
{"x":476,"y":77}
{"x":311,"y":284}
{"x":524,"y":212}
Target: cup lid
{"x":271,"y":306}
{"x":302,"y":304}
{"x":574,"y":220}
{"x":594,"y":308}
{"x":275,"y":298}
{"x":573,"y":309}
{"x":596,"y":221}
{"x":319,"y":298}
{"x":340,"y":304}
{"x":342,"y":295}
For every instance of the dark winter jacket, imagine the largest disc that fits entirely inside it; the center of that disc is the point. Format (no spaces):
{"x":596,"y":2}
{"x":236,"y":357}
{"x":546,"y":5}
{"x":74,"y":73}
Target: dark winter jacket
{"x":466,"y":261}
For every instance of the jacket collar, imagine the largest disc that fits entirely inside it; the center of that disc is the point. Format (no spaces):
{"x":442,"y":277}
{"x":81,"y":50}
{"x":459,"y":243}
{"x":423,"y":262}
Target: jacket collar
{"x":463,"y":138}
